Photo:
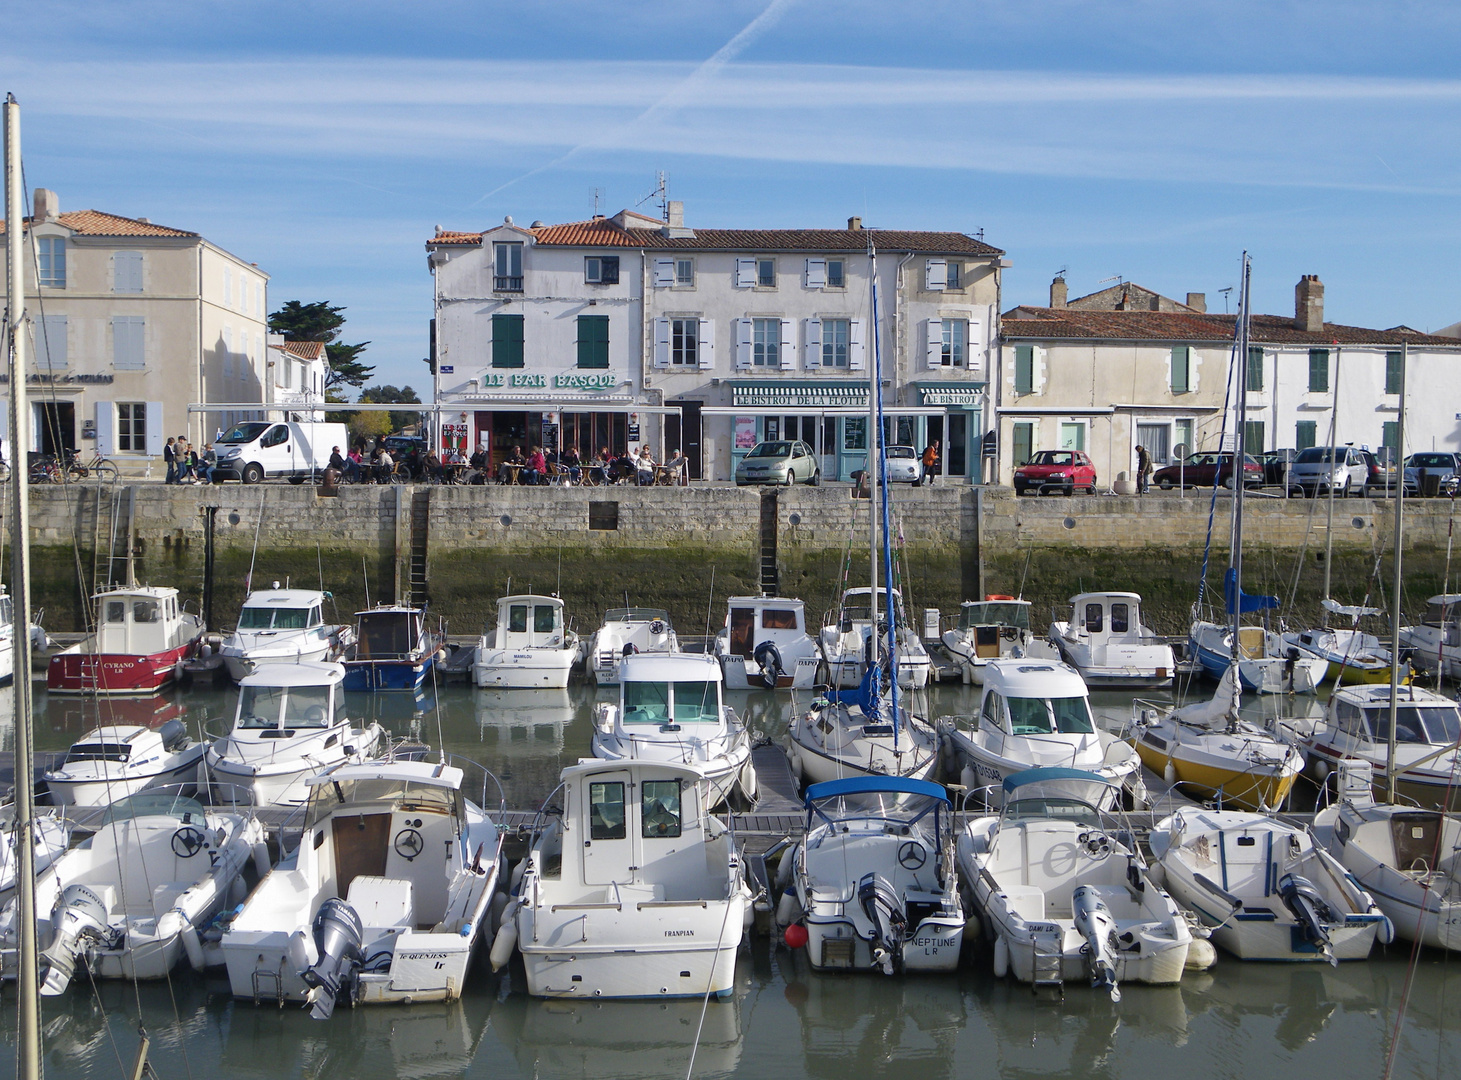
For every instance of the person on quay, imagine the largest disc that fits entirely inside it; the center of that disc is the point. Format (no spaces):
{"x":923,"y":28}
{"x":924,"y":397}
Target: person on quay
{"x":569,"y":459}
{"x":187,"y":459}
{"x":930,"y":461}
{"x":170,"y":457}
{"x":207,"y":463}
{"x":384,"y":465}
{"x":505,"y":473}
{"x":536,"y":470}
{"x":675,"y":468}
{"x":599,"y":472}
{"x":1143,"y":470}
{"x":644,"y":467}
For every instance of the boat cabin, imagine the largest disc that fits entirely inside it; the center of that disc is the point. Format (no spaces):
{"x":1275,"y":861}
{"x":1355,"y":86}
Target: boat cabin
{"x":1421,"y":717}
{"x":1035,"y":697}
{"x":141,"y":621}
{"x":279,"y":699}
{"x":670,"y":690}
{"x":856,"y":606}
{"x":754,"y":619}
{"x":1107,"y":615}
{"x":282,"y":609}
{"x":389,"y":632}
{"x":1444,"y":613}
{"x":529,"y":621}
{"x":985,"y":620}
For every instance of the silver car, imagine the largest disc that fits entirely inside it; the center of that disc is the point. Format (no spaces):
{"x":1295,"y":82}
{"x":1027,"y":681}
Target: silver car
{"x":780,"y":461}
{"x":1320,"y":468}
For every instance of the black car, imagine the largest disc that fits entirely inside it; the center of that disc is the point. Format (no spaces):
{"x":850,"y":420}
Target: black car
{"x":1276,"y":465}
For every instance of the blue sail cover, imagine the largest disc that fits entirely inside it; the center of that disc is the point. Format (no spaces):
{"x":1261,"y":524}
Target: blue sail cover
{"x":867,"y":695}
{"x":1250,"y":603}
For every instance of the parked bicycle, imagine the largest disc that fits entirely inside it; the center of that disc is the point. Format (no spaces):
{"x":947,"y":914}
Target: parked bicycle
{"x":104,"y":469}
{"x":45,"y":469}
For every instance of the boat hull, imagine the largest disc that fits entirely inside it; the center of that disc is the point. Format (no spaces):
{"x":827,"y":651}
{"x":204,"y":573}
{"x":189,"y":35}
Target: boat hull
{"x":833,"y":944}
{"x":814,"y":763}
{"x":101,"y":791}
{"x":1239,"y":787}
{"x":77,"y":672}
{"x":386,"y":675}
{"x":739,"y":674}
{"x":1265,"y":675}
{"x":242,"y":664}
{"x":523,"y":669}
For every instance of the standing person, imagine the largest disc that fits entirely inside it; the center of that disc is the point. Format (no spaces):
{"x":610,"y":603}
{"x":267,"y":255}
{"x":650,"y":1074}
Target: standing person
{"x":170,"y":457}
{"x":930,"y":461}
{"x":1143,"y":470}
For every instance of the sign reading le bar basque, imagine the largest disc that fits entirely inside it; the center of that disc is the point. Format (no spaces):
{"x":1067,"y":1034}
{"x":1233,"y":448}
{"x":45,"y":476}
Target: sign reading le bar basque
{"x":798,"y":395}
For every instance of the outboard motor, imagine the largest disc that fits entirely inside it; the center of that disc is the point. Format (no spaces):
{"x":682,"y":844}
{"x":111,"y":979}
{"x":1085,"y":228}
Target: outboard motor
{"x":769,"y":657}
{"x":338,"y":936}
{"x":174,"y":734}
{"x":80,"y":921}
{"x":1094,"y":922}
{"x":1301,"y":898}
{"x":890,"y":924}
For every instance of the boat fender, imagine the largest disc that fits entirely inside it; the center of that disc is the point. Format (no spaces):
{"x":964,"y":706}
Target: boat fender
{"x":796,"y":763}
{"x":789,"y":910}
{"x":1386,"y":931}
{"x":500,"y":901}
{"x":973,"y":926}
{"x":1201,"y":955}
{"x":783,"y":872}
{"x":1321,"y":770}
{"x":969,"y":778}
{"x":795,"y":936}
{"x":506,"y":940}
{"x":748,"y":781}
{"x":1001,"y":957}
{"x":238,"y":890}
{"x":1169,"y":773}
{"x":769,"y":657}
{"x":517,"y":875}
{"x":193,"y":946}
{"x":261,"y":859}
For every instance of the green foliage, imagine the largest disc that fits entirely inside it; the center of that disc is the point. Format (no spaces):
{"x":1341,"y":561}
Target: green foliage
{"x":367,"y":425}
{"x":322,"y":321}
{"x":391,"y":395}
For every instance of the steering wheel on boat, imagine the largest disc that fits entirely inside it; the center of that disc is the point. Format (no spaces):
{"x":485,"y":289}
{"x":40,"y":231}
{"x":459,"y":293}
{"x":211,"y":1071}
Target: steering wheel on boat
{"x":187,"y":842}
{"x":1009,"y":633}
{"x":409,"y":844}
{"x":1095,"y":844}
{"x":911,"y":855}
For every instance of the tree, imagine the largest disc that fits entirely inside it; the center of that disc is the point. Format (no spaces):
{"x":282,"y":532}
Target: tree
{"x":390,"y":395}
{"x":322,"y":321}
{"x":367,"y":425}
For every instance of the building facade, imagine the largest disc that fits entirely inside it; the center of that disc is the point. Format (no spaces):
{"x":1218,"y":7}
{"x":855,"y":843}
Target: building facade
{"x":628,"y":331}
{"x":295,"y":373}
{"x":130,"y":323}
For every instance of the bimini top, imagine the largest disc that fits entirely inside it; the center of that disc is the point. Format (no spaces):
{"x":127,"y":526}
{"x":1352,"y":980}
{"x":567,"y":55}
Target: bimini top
{"x":156,"y":592}
{"x":1026,"y":777}
{"x":303,"y":673}
{"x":1136,"y":597}
{"x":425,"y":773}
{"x":875,"y":785}
{"x":669,"y":667}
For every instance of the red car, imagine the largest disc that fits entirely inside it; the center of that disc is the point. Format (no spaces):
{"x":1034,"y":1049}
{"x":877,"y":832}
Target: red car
{"x":1066,"y":471}
{"x":1204,"y":470}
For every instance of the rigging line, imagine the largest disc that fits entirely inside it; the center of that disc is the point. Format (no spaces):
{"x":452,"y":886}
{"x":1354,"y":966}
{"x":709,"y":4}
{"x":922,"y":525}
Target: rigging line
{"x":1212,"y":499}
{"x":259,"y":524}
{"x":106,"y":1022}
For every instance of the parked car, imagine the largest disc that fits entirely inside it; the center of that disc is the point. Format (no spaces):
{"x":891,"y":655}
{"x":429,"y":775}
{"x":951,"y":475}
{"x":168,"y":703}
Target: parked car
{"x":780,"y":461}
{"x":1066,"y":471}
{"x":1432,"y":463}
{"x":905,"y":465}
{"x":1319,"y":468}
{"x":1205,"y":470}
{"x":1381,"y":472}
{"x":1276,"y":465}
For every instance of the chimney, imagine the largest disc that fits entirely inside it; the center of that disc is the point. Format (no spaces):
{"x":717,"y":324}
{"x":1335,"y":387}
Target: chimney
{"x":1309,"y":304}
{"x":1057,"y":291}
{"x":47,"y":206}
{"x":854,"y":224}
{"x":1197,"y":301}
{"x":675,"y":214}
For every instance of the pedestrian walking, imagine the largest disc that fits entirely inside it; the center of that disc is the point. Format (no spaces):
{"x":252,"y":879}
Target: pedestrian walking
{"x":930,"y":461}
{"x":170,"y":458}
{"x":1143,"y":470}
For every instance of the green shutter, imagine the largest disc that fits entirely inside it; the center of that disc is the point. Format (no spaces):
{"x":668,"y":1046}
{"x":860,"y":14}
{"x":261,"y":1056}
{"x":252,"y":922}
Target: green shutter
{"x":507,"y":341}
{"x":1024,"y":369}
{"x":1393,"y":360}
{"x":1318,"y":371}
{"x":1255,"y":369}
{"x":1391,"y":435}
{"x":1022,"y":445}
{"x":1253,"y":437}
{"x":593,"y":341}
{"x":1181,"y":364}
{"x":1305,"y":434}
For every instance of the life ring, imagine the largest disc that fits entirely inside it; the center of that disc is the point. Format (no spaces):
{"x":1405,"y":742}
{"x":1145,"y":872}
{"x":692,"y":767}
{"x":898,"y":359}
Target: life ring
{"x":769,"y":657}
{"x":997,"y":596}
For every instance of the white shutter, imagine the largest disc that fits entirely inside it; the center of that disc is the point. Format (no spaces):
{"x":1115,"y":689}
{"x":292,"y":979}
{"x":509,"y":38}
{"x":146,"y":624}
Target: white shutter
{"x":814,"y":343}
{"x":154,"y":428}
{"x":127,"y":272}
{"x":51,"y":343}
{"x":106,"y":413}
{"x":706,"y":344}
{"x":664,"y":273}
{"x":974,"y":349}
{"x":128,"y":342}
{"x":743,"y":343}
{"x":745,"y":273}
{"x":937,"y":275}
{"x":661,"y":343}
{"x":1037,"y":369}
{"x":933,"y":354}
{"x":816,"y":273}
{"x":856,"y":346}
{"x":788,"y":345}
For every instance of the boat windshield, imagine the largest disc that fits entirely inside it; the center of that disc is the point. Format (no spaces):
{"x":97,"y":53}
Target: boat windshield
{"x":154,"y":804}
{"x":995,"y":614}
{"x":1050,"y":716}
{"x":413,"y":798}
{"x":98,"y":751}
{"x":1433,"y":724}
{"x":904,"y":809}
{"x":284,"y":707}
{"x":1051,"y":807}
{"x":678,"y":702}
{"x":636,"y":614}
{"x":261,"y":618}
{"x":385,"y":635}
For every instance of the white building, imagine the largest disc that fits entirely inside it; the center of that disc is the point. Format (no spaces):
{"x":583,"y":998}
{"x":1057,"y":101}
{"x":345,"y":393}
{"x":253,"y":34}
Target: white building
{"x":132,"y":321}
{"x":630,"y":330}
{"x":296,"y":373}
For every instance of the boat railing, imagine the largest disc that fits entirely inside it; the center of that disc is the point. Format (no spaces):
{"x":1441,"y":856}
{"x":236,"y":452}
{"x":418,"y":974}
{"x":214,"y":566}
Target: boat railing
{"x":475,"y":776}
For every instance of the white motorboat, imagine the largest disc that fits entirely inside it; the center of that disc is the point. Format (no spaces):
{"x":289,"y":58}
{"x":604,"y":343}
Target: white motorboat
{"x":635,"y":891}
{"x":849,"y":733}
{"x":50,"y":837}
{"x":1427,"y":741}
{"x":626,"y":631}
{"x":384,"y":900}
{"x":1037,"y":713}
{"x":671,"y":709}
{"x":290,"y":724}
{"x":1435,"y":641}
{"x":529,"y":647}
{"x":873,"y":882}
{"x":765,"y":645}
{"x":1105,"y":640}
{"x":1352,"y":654}
{"x":113,"y":761}
{"x":129,"y":901}
{"x":1266,"y":889}
{"x":143,"y":638}
{"x":1208,"y":748}
{"x":1063,"y":897}
{"x":848,"y":644}
{"x":283,"y":626}
{"x":1407,"y":858}
{"x":988,"y":629}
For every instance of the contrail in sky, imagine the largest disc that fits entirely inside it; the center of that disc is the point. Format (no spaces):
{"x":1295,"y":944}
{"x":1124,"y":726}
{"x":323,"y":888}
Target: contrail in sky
{"x":703,"y":74}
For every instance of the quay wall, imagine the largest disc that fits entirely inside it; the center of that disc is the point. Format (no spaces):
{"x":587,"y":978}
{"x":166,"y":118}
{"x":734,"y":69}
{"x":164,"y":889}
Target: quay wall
{"x":665,"y":545}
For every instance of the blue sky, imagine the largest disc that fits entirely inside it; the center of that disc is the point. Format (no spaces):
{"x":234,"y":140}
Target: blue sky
{"x":1151,"y":140}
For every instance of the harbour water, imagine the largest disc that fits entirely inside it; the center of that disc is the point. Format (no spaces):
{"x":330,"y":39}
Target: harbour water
{"x":783,"y":1020}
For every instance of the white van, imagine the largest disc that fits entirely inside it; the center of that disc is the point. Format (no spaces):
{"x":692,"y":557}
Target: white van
{"x":259,"y":449}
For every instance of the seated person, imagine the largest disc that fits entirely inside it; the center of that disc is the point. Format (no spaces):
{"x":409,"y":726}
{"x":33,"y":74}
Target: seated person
{"x":602,"y":463}
{"x":536,"y":469}
{"x":570,"y":462}
{"x":383,"y":465}
{"x":644,"y":467}
{"x":506,"y":474}
{"x":434,"y":470}
{"x":675,"y":468}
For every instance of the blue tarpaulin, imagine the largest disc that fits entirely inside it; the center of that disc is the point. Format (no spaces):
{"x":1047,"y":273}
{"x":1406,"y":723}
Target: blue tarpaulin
{"x":866,"y":694}
{"x":1250,"y":603}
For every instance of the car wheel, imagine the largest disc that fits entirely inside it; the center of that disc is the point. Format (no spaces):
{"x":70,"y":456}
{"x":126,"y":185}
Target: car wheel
{"x":1345,"y":492}
{"x":790,"y":478}
{"x":816,"y":480}
{"x":252,"y":473}
{"x":1165,"y":483}
{"x":1229,"y":484}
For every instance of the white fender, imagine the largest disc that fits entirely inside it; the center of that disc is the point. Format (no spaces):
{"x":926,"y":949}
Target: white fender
{"x":1001,"y":957}
{"x":784,"y":868}
{"x":261,"y":859}
{"x":1201,"y":955}
{"x":499,"y":905}
{"x":796,"y":762}
{"x":789,"y":910}
{"x":193,"y":946}
{"x":1321,"y":769}
{"x":973,"y":926}
{"x":506,"y":939}
{"x":517,"y":875}
{"x":1169,"y":774}
{"x":969,"y":778}
{"x":748,"y":780}
{"x":238,"y":892}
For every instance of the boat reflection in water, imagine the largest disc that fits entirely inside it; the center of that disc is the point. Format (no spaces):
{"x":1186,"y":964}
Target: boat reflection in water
{"x":70,"y":716}
{"x":531,"y":723}
{"x":556,"y":1037}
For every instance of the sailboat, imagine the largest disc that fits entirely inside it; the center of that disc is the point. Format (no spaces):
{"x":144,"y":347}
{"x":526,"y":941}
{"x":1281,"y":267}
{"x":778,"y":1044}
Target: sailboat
{"x":864,"y":731}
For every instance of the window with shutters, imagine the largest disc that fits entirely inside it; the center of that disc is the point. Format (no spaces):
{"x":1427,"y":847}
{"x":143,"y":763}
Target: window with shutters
{"x":766,"y":273}
{"x":836,"y":339}
{"x":1024,"y":369}
{"x":128,"y":342}
{"x":1022,"y":443}
{"x":956,"y":341}
{"x":507,"y":267}
{"x":684,"y":342}
{"x":955,"y":278}
{"x":127,"y":272}
{"x":51,"y":251}
{"x":1390,"y":440}
{"x":1181,"y":369}
{"x":1393,"y":360}
{"x":507,"y":341}
{"x":601,"y":270}
{"x":51,"y":332}
{"x":131,"y":427}
{"x":1255,"y":369}
{"x":684,"y":272}
{"x":227,"y":283}
{"x":766,"y":343}
{"x":1318,"y":371}
{"x":1253,"y":437}
{"x":1306,"y":434}
{"x":593,"y":341}
{"x":836,"y":274}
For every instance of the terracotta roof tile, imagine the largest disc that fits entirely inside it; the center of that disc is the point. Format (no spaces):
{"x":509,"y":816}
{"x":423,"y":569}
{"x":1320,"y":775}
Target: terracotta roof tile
{"x":305,"y":350}
{"x":96,"y":223}
{"x":1058,"y":323}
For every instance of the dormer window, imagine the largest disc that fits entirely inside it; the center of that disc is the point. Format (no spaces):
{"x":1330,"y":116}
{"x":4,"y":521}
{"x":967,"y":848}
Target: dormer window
{"x":507,"y":267}
{"x":601,"y":269}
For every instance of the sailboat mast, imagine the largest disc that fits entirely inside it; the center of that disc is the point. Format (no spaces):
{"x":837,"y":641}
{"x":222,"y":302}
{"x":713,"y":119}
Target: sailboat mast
{"x":28,"y":982}
{"x":873,"y":436}
{"x":881,"y":510}
{"x":1395,"y":595}
{"x":1240,"y":433}
{"x":1333,"y":465}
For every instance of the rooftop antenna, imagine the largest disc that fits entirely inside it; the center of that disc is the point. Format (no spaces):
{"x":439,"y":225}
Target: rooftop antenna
{"x":1226,"y":293}
{"x":1062,"y":272}
{"x":598,"y":197}
{"x":661,"y":192}
{"x":1118,"y":278}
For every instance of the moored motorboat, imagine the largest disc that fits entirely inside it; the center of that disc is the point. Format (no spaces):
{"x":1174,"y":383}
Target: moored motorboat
{"x":626,"y":631}
{"x":283,"y":626}
{"x":1353,"y":655}
{"x":113,"y":761}
{"x":1105,"y":640}
{"x":765,"y":645}
{"x":849,"y":643}
{"x":394,"y":649}
{"x":50,"y":837}
{"x":141,"y":641}
{"x":530,"y":646}
{"x":1434,"y":643}
{"x":988,"y":629}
